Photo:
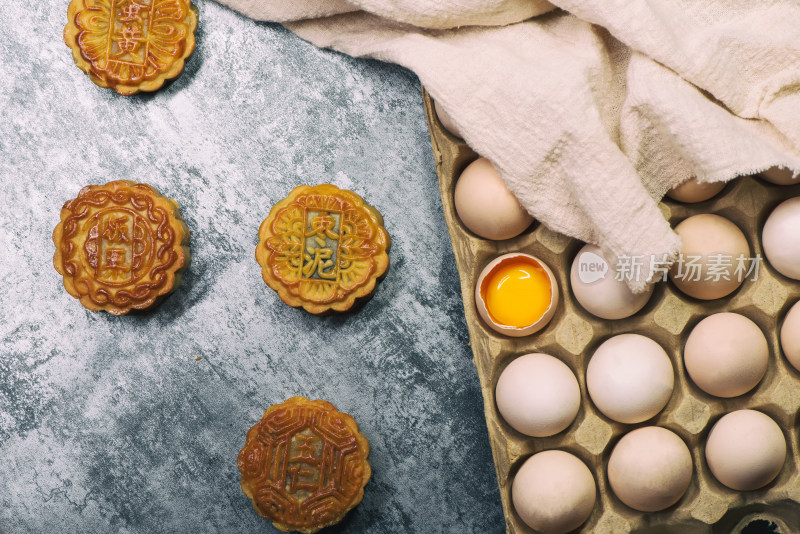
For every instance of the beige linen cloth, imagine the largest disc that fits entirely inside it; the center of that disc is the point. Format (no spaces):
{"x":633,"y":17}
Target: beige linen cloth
{"x":593,"y":111}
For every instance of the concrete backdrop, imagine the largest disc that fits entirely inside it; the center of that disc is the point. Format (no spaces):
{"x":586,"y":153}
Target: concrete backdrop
{"x":111,"y":424}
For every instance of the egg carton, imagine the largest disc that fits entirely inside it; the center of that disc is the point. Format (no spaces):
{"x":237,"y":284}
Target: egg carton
{"x":573,"y":335}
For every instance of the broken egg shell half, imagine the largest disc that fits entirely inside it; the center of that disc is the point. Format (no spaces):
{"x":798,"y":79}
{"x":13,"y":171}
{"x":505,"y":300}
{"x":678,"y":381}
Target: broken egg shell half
{"x":514,"y":331}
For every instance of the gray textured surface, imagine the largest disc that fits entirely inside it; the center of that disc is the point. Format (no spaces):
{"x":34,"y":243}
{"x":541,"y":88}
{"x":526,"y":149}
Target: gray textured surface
{"x":110,"y":424}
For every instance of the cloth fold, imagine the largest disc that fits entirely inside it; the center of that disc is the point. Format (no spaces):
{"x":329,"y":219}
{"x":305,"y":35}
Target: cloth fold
{"x":590,"y":112}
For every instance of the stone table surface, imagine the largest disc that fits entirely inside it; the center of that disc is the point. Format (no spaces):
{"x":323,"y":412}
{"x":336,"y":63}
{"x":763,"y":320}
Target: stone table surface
{"x":111,"y":424}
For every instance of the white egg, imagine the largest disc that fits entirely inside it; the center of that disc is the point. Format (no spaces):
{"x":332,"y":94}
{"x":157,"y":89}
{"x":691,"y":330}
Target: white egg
{"x":630,"y":378}
{"x":726,"y":355}
{"x":745,"y":450}
{"x":553,"y":492}
{"x":596,"y":288}
{"x":486,"y":206}
{"x":790,"y":336}
{"x":446,"y":120}
{"x":781,"y":238}
{"x":650,"y":469}
{"x":538,"y":395}
{"x":780,"y":176}
{"x":692,"y":191}
{"x":710,"y":266}
{"x":711,"y":248}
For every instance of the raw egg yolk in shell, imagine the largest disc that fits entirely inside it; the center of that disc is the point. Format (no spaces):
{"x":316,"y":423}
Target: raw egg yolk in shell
{"x":517,"y":293}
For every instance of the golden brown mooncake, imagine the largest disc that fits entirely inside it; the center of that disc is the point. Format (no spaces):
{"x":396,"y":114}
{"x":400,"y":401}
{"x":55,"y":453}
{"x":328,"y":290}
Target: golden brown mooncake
{"x":304,"y":465}
{"x":120,"y":246}
{"x":131,"y":45}
{"x":322,"y":248}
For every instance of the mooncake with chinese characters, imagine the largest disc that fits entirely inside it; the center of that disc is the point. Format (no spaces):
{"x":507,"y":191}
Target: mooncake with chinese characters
{"x":304,"y":465}
{"x":322,"y":248}
{"x":131,"y":45}
{"x":120,"y":246}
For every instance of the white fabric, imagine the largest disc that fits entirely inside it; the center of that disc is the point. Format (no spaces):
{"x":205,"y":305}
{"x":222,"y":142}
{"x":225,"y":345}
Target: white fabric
{"x":590,"y":116}
{"x":436,"y":14}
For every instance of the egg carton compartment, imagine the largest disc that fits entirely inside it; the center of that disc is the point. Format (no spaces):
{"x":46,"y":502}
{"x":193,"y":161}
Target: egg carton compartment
{"x":573,"y":335}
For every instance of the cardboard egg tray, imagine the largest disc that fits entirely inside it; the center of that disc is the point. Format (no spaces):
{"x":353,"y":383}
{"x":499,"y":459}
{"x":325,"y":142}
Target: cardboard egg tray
{"x":668,"y":318}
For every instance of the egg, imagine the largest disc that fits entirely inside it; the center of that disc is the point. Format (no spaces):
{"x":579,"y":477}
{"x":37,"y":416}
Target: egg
{"x":538,"y":395}
{"x":486,"y":206}
{"x":516,"y":294}
{"x":446,"y":120}
{"x":714,"y":257}
{"x":745,"y":450}
{"x":726,"y":355}
{"x":790,"y":336}
{"x":597,"y":289}
{"x":650,"y":469}
{"x":692,"y":191}
{"x":781,"y":239}
{"x":553,"y":492}
{"x":780,"y":176}
{"x":630,"y":378}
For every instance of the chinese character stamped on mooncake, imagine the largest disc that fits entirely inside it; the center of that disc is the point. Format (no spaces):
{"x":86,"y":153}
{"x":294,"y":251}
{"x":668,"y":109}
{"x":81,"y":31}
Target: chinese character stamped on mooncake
{"x":131,"y":45}
{"x":304,"y":465}
{"x":323,"y":248}
{"x":120,"y":246}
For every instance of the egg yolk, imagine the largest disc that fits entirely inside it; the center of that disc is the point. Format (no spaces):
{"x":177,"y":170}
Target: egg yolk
{"x":517,"y":293}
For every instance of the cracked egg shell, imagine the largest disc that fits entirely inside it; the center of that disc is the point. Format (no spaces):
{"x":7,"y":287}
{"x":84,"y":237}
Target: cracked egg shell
{"x":511,"y":294}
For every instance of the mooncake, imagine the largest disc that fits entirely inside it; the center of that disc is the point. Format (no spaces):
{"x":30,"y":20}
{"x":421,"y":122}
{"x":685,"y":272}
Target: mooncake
{"x":120,"y":246}
{"x":304,"y":465}
{"x":322,"y":248}
{"x":131,"y":45}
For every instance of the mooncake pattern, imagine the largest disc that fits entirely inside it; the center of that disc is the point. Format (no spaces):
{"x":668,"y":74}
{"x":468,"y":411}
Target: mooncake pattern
{"x":304,"y":465}
{"x":120,"y":246}
{"x":131,"y":45}
{"x":322,"y":248}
